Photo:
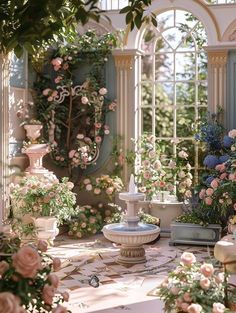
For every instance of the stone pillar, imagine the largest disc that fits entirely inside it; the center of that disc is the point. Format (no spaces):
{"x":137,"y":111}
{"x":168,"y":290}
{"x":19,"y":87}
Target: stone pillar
{"x":4,"y":136}
{"x":126,"y":62}
{"x":217,"y":68}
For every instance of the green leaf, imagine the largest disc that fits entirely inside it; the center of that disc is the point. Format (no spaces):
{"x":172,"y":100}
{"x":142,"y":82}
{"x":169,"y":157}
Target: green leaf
{"x":125,"y":9}
{"x":18,"y":50}
{"x":129,"y":17}
{"x":154,"y":22}
{"x":138,"y":21}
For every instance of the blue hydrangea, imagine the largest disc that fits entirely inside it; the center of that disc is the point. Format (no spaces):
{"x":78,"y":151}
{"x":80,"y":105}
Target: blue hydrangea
{"x":209,"y":180}
{"x":223,"y":158}
{"x":211,"y":161}
{"x":228,"y":141}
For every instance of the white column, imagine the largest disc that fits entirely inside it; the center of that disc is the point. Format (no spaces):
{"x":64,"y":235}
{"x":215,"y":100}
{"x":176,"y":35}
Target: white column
{"x":217,"y":69}
{"x":4,"y":135}
{"x":126,"y":62}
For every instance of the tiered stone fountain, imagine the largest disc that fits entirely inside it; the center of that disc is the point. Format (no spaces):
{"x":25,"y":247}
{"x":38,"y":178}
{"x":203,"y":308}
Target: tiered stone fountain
{"x":131,"y":234}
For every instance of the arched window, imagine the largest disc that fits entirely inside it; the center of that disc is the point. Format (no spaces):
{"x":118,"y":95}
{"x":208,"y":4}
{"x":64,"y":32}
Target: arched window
{"x":173,"y":87}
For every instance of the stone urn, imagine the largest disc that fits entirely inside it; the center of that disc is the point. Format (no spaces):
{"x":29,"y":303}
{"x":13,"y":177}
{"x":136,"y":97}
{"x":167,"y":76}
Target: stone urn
{"x":46,"y":228}
{"x":33,"y":131}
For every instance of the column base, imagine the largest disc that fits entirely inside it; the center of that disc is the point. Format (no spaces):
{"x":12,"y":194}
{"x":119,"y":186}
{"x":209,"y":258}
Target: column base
{"x":131,"y":255}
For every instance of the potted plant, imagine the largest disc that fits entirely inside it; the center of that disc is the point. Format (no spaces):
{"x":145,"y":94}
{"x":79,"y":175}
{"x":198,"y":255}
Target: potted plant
{"x":49,"y":204}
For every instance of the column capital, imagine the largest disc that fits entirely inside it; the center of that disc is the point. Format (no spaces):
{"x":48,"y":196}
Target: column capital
{"x":217,"y":58}
{"x":124,"y":59}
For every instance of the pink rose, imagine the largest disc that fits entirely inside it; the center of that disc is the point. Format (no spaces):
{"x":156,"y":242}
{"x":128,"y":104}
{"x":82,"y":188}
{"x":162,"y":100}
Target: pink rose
{"x":207,"y":269}
{"x":188,"y":258}
{"x":89,"y":187}
{"x":59,"y":309}
{"x":218,"y":308}
{"x":209,"y":192}
{"x":146,"y":175}
{"x":223,"y":175}
{"x":220,"y":277}
{"x":27,"y":261}
{"x":71,"y":153}
{"x":232,"y":133}
{"x":56,"y":263}
{"x":65,"y":66}
{"x":208,"y":200}
{"x":102,"y":91}
{"x":48,"y":294}
{"x":174,"y":290}
{"x":54,"y":280}
{"x":84,"y":100}
{"x":70,"y":185}
{"x":98,"y":125}
{"x":220,"y":167}
{"x":178,"y":302}
{"x":187,"y":297}
{"x":232,"y":177}
{"x":98,"y":139}
{"x":58,"y":79}
{"x":42,"y":245}
{"x":194,"y":308}
{"x":4,"y":266}
{"x":46,"y":91}
{"x":9,"y":303}
{"x":202,"y":194}
{"x":205,"y":283}
{"x":97,"y":191}
{"x":86,"y":181}
{"x":50,"y":99}
{"x":57,"y":61}
{"x":106,"y":131}
{"x":214,"y":183}
{"x":109,"y":190}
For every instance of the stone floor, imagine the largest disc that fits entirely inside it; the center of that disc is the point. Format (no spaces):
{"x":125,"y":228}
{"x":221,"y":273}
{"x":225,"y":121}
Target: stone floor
{"x":121,"y":288}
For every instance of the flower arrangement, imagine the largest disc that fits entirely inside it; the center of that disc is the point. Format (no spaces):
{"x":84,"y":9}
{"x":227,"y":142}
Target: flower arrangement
{"x":156,"y":173}
{"x":38,"y":196}
{"x":193,"y":287}
{"x":107,"y":184}
{"x":86,"y":221}
{"x":27,"y":283}
{"x":75,"y":114}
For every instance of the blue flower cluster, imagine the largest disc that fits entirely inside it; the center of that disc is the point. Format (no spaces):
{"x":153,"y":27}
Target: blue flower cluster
{"x":211,"y":160}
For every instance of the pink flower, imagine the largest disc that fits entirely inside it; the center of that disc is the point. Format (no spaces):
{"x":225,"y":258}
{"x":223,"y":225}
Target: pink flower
{"x":98,"y":139}
{"x":98,"y":125}
{"x":46,"y":91}
{"x":65,"y":296}
{"x":56,"y":263}
{"x":215,"y":183}
{"x":87,"y":181}
{"x":218,"y":308}
{"x":188,"y":258}
{"x":232,"y":177}
{"x":223,"y":175}
{"x":48,"y":294}
{"x":157,"y":165}
{"x":50,"y":99}
{"x":146,"y":163}
{"x":209,"y":192}
{"x":10,"y":303}
{"x":57,"y":61}
{"x":174,"y":290}
{"x":205,"y":283}
{"x":42,"y":245}
{"x":232,"y":133}
{"x":4,"y":266}
{"x":194,"y":308}
{"x":84,"y":100}
{"x":202,"y":194}
{"x":183,"y":155}
{"x":207,"y":269}
{"x":220,"y":277}
{"x":109,"y":190}
{"x":187,"y":297}
{"x":220,"y":167}
{"x":58,"y":79}
{"x":70,"y":185}
{"x":208,"y":200}
{"x":184,"y":306}
{"x":97,"y":191}
{"x":71,"y":153}
{"x":27,"y":261}
{"x":146,"y":175}
{"x":54,"y":280}
{"x":59,"y":309}
{"x":65,"y":66}
{"x":89,"y":187}
{"x":106,"y":131}
{"x":102,"y":91}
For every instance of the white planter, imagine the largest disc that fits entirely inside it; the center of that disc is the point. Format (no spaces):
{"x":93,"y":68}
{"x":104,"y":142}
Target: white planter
{"x":195,"y":234}
{"x":33,"y":131}
{"x":46,"y":228}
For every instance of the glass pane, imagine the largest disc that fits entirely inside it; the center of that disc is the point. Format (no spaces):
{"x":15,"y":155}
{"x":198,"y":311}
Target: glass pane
{"x":165,"y":20}
{"x":202,"y":93}
{"x":188,"y":44}
{"x":173,"y":36}
{"x":164,"y":122}
{"x":202,"y":66}
{"x":164,"y":66}
{"x":185,"y":66}
{"x":185,"y":94}
{"x":147,"y":66}
{"x":200,"y":36}
{"x":185,"y":20}
{"x":148,"y":41}
{"x":185,"y":122}
{"x":146,"y":120}
{"x":188,"y":146}
{"x":146,"y":94}
{"x":164,"y":94}
{"x":162,"y":46}
{"x":166,"y":147}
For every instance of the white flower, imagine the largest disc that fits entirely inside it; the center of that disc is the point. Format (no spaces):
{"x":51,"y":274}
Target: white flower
{"x":232,"y":133}
{"x":183,"y":155}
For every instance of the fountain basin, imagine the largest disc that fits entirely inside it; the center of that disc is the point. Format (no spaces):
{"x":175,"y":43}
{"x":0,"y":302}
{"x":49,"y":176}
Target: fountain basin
{"x":130,"y":197}
{"x":131,"y":240}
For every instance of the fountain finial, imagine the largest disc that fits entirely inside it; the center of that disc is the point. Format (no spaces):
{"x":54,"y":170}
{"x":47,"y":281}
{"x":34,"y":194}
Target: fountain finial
{"x":132,"y":186}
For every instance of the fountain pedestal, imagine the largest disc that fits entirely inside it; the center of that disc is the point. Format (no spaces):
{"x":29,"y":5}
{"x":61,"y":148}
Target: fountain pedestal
{"x":131,"y":234}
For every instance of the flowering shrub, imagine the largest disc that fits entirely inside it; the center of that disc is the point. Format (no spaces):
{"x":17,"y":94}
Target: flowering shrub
{"x":155,"y":173}
{"x":27,"y":283}
{"x":38,"y":196}
{"x":193,"y":287}
{"x":87,"y":221}
{"x":75,"y":114}
{"x":109,"y":185}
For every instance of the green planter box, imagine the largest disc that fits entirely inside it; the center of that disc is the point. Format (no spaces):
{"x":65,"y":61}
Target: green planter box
{"x":194,"y":234}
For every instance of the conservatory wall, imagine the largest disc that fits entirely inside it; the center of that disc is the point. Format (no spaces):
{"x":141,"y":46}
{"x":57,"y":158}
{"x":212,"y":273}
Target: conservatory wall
{"x":220,"y":24}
